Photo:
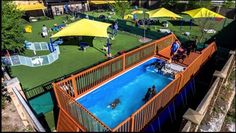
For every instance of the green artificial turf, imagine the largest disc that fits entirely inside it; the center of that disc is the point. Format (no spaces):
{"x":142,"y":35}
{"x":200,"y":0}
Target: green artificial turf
{"x":49,"y":117}
{"x":70,"y":58}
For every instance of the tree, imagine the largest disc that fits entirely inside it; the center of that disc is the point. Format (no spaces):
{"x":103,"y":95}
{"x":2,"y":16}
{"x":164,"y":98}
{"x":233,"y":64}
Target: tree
{"x":121,"y":7}
{"x":12,"y":27}
{"x":200,"y":3}
{"x":229,"y":4}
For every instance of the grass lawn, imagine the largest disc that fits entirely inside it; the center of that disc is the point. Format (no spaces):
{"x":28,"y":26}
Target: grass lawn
{"x":70,"y":59}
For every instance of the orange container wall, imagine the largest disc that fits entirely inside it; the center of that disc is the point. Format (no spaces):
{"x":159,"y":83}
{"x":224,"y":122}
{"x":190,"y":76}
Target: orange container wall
{"x":65,"y":124}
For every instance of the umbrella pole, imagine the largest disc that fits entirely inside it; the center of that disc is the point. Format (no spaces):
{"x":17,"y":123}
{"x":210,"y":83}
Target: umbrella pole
{"x":49,"y":44}
{"x":144,"y":39}
{"x":108,"y":47}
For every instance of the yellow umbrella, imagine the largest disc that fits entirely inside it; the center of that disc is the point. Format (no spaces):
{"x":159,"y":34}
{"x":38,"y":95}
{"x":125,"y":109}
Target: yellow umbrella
{"x":98,"y":2}
{"x":162,"y":12}
{"x":203,"y":13}
{"x":128,"y":16}
{"x":137,"y":12}
{"x":84,"y":27}
{"x":30,"y":7}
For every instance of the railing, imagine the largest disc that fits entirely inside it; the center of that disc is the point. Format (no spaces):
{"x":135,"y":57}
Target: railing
{"x":149,"y":110}
{"x":33,"y":119}
{"x":89,"y":79}
{"x":78,"y":112}
{"x":197,"y":63}
{"x":209,"y":99}
{"x":139,"y":54}
{"x":35,"y":61}
{"x":20,"y":102}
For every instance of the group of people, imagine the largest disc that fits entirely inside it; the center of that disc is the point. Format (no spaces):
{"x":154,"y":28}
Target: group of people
{"x":151,"y":92}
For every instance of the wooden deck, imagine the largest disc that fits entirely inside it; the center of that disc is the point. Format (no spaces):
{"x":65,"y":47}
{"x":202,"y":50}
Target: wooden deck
{"x":165,"y":53}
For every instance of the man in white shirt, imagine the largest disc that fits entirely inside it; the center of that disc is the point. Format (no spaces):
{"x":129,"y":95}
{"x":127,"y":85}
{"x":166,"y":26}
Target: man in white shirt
{"x":44,"y":31}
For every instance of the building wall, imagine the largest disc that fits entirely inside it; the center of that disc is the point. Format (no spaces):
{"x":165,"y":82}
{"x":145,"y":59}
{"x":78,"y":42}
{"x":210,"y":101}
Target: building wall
{"x":58,"y":9}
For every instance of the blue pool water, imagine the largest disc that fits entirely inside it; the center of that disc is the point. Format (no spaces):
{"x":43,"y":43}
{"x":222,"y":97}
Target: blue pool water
{"x":130,"y":88}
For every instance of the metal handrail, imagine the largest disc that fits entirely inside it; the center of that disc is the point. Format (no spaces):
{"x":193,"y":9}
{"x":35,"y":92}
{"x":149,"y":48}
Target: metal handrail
{"x":35,"y":121}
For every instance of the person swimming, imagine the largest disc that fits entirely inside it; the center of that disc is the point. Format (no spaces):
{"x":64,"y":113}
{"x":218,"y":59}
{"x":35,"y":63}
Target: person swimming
{"x":114,"y":103}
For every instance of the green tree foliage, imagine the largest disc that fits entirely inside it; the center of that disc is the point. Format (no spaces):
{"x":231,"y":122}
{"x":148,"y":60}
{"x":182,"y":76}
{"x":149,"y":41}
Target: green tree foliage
{"x":199,"y":3}
{"x":121,"y":7}
{"x":12,"y":27}
{"x":229,"y":4}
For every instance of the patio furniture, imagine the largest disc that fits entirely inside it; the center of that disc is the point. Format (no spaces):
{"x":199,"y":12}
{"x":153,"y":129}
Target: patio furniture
{"x":211,"y":31}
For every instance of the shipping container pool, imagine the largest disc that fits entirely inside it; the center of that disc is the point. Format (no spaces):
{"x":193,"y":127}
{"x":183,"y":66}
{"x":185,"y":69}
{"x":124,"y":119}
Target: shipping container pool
{"x":130,"y":88}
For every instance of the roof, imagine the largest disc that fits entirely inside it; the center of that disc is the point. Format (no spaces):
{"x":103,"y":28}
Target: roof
{"x":84,"y":27}
{"x":162,"y":12}
{"x":30,"y":7}
{"x":203,"y":13}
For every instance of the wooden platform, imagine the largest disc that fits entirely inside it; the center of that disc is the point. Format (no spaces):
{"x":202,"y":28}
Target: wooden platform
{"x":165,"y":53}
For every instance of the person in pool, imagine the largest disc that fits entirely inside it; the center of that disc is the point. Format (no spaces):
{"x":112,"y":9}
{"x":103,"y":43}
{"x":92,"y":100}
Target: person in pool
{"x":147,"y":95}
{"x":153,"y":91}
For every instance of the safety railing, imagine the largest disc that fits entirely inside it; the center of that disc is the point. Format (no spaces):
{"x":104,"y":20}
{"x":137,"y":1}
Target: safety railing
{"x":140,"y":54}
{"x":92,"y":77}
{"x":95,"y":76}
{"x":89,"y":79}
{"x":148,"y":111}
{"x":78,"y":112}
{"x":35,"y":61}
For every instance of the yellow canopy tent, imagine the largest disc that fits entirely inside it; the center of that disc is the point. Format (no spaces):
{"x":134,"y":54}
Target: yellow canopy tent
{"x":99,"y":2}
{"x":162,"y":12}
{"x":30,"y":7}
{"x":203,"y":13}
{"x":137,"y":12}
{"x":84,"y":27}
{"x":128,"y":16}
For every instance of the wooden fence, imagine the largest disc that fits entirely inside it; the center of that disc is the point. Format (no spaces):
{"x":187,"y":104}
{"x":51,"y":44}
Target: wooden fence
{"x":71,"y":88}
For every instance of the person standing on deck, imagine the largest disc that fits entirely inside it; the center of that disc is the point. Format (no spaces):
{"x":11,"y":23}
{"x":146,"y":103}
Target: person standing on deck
{"x":174,"y":48}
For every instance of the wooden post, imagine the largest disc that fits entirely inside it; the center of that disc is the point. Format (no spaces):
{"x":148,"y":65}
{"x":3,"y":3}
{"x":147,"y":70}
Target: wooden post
{"x":74,"y":86}
{"x":132,"y":123}
{"x":124,"y":62}
{"x":155,"y":48}
{"x":55,"y":90}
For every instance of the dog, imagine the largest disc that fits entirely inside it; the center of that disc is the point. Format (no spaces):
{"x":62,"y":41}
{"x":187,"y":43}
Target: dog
{"x":115,"y":103}
{"x":179,"y":57}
